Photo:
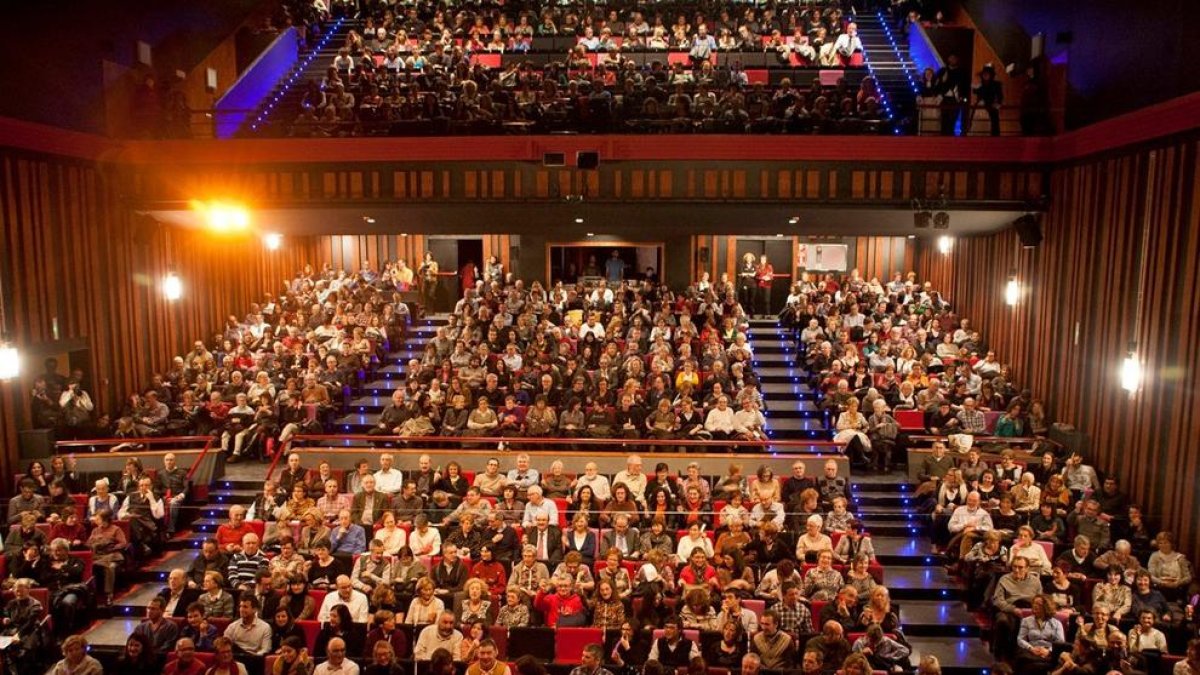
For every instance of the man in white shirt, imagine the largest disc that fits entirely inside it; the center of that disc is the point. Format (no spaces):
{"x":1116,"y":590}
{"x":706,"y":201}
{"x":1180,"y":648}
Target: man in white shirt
{"x":602,"y":296}
{"x":749,"y":423}
{"x":719,"y":422}
{"x":592,"y":327}
{"x":338,"y":663}
{"x":971,"y":521}
{"x":250,"y":634}
{"x":538,"y":505}
{"x":440,"y":635}
{"x":1145,"y":636}
{"x":388,"y":480}
{"x":592,"y":478}
{"x":354,"y":600}
{"x":767,"y":510}
{"x":848,"y":43}
{"x":523,"y":477}
{"x":633,"y":478}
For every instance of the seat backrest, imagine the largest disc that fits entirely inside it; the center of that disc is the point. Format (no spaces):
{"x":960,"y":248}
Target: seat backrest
{"x":910,"y":419}
{"x":499,"y":635}
{"x":569,"y":643}
{"x":318,"y":596}
{"x":86,"y":557}
{"x":311,"y":628}
{"x":756,"y":606}
{"x":43,"y":596}
{"x":259,"y":527}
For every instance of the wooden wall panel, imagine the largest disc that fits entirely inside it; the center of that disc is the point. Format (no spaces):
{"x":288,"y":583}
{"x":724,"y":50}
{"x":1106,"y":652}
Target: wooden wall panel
{"x":1068,"y":336}
{"x":881,"y":257}
{"x":77,"y":257}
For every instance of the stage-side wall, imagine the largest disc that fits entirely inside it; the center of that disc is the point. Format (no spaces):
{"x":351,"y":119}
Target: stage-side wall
{"x":1069,"y":334}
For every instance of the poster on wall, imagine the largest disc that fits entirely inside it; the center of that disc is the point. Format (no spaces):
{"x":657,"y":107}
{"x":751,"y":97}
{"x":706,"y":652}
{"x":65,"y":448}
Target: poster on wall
{"x":822,"y":257}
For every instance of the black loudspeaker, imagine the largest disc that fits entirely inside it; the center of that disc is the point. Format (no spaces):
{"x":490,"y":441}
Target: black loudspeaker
{"x":703,"y":256}
{"x":35,"y":443}
{"x":554,"y":159}
{"x":587,"y":160}
{"x":1065,"y":37}
{"x":1029,"y":231}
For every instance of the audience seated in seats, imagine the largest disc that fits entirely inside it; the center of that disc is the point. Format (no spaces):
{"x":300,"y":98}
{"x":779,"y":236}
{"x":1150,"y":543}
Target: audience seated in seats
{"x":747,"y":548}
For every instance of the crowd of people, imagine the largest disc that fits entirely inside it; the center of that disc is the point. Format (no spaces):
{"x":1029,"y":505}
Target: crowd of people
{"x":648,"y":558}
{"x":451,"y":552}
{"x":670,"y":69}
{"x":1117,"y":585}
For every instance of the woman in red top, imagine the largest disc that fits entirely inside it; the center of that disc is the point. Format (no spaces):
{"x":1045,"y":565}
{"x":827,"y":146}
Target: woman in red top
{"x":764,"y":276}
{"x":490,"y":571}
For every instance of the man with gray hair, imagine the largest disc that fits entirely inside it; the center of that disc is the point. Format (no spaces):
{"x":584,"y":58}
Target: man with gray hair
{"x":337,"y":664}
{"x":538,"y":505}
{"x":751,"y":664}
{"x":388,"y":480}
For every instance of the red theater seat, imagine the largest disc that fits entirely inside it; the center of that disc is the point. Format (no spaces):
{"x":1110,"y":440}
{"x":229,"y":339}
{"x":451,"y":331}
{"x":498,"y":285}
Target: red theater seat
{"x":569,"y":643}
{"x":318,"y":597}
{"x":910,"y":420}
{"x":86,"y":557}
{"x":312,"y":629}
{"x":259,"y":527}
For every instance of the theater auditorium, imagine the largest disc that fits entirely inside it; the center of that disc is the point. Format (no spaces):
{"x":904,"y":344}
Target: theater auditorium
{"x":600,"y":337}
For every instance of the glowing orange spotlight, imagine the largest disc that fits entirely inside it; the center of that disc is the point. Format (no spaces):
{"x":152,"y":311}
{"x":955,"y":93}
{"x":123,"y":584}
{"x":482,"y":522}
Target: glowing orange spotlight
{"x":222,"y":217}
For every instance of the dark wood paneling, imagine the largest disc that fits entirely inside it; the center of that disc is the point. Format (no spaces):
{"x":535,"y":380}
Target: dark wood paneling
{"x":881,"y":257}
{"x":1068,"y":336}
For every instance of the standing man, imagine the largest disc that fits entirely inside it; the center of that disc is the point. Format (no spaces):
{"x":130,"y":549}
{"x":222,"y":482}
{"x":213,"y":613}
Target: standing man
{"x":614,"y":268}
{"x":954,"y":84}
{"x":764,"y":276}
{"x":745,"y":282}
{"x":428,"y":272}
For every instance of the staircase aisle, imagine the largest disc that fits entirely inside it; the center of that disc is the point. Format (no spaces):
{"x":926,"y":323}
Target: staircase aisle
{"x":790,"y":403}
{"x":935,"y":619}
{"x":281,"y":107}
{"x":890,"y":63}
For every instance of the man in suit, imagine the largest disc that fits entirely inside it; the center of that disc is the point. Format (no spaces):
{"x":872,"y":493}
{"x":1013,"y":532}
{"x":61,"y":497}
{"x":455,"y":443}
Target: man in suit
{"x":450,"y":575}
{"x":546,"y":539}
{"x":622,"y":537}
{"x":176,"y":595}
{"x":294,"y":473}
{"x":368,"y":506}
{"x":502,"y":538}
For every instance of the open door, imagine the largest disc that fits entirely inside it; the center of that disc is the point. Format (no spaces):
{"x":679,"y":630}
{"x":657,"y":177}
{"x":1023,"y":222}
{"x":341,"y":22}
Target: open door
{"x":779,"y":253}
